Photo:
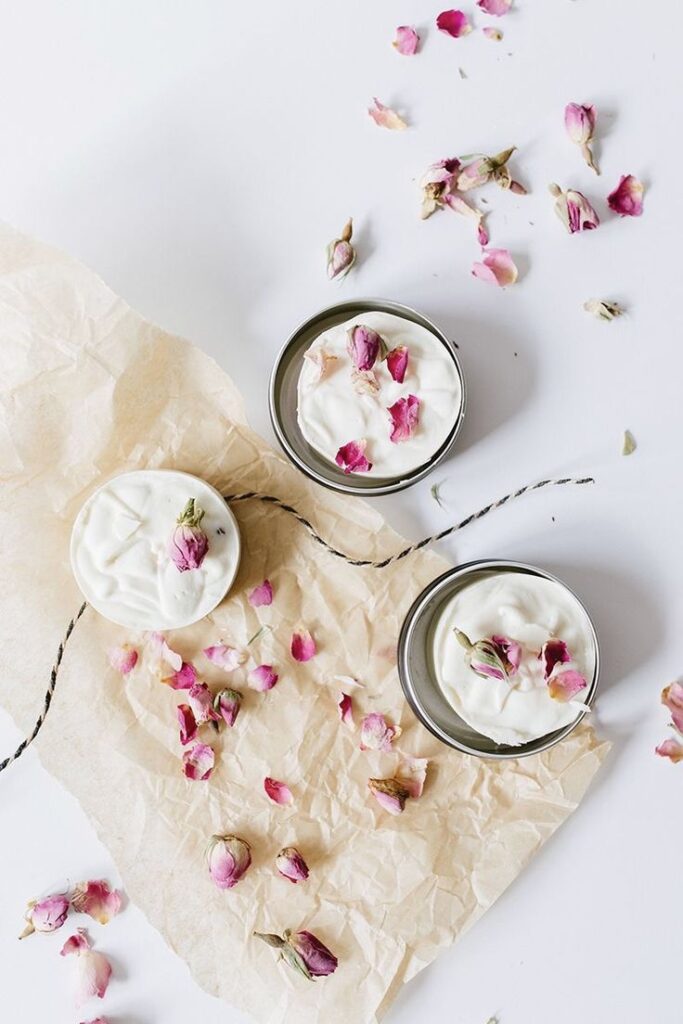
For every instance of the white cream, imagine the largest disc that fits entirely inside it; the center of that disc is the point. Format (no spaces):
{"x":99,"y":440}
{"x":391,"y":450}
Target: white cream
{"x":331,"y":413}
{"x":530,"y":610}
{"x":119,"y":550}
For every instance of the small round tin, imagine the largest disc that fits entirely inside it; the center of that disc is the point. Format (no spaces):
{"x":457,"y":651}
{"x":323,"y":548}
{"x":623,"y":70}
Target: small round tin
{"x":418,"y":678}
{"x":283,"y":401}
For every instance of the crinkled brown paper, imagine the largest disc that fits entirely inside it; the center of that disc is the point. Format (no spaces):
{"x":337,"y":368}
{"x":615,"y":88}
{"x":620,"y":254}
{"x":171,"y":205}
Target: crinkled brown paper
{"x":90,"y":389}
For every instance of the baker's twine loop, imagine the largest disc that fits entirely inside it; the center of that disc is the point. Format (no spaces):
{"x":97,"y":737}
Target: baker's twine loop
{"x":270,"y":499}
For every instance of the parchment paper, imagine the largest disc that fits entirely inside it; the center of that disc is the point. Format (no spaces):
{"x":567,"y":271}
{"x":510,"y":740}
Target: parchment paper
{"x":90,"y":389}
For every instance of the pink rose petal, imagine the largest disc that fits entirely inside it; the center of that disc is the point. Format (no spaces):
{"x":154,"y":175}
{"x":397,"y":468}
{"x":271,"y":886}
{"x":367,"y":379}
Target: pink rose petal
{"x":279,"y":792}
{"x":671,"y":749}
{"x":510,"y":653}
{"x":263,"y":678}
{"x":566,"y":684}
{"x":345,"y":705}
{"x":405,"y":414}
{"x":187,"y":723}
{"x":123,"y":658}
{"x":497,"y":7}
{"x":261,"y":595}
{"x":303,"y":646}
{"x":46,"y":915}
{"x":492,"y":33}
{"x":389,"y":794}
{"x":407,"y":40}
{"x":376,"y":733}
{"x":672,"y":698}
{"x":627,"y":197}
{"x":200,"y":699}
{"x":323,"y":362}
{"x":397,"y":363}
{"x":385,"y":117}
{"x":224,"y":656}
{"x":497,"y":267}
{"x":412,"y":774}
{"x":97,"y":899}
{"x":161,"y":652}
{"x":453,"y":23}
{"x":351,"y":457}
{"x":554,"y":652}
{"x":93,"y":970}
{"x":184,"y":679}
{"x":198,"y":762}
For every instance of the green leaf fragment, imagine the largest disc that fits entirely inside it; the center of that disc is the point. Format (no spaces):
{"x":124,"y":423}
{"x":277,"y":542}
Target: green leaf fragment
{"x":629,"y":445}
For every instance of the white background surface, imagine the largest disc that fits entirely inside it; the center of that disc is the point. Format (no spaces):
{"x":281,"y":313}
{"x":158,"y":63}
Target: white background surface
{"x":200,"y":156}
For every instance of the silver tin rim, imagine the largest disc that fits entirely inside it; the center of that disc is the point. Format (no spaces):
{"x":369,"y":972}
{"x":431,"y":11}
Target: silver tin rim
{"x":411,"y":692}
{"x":345,"y":310}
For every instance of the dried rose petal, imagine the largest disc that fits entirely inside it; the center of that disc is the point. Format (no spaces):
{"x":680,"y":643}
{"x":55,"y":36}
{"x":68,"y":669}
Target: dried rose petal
{"x":497,"y":7}
{"x":566,"y":684}
{"x":397,"y":363}
{"x":263,"y":678}
{"x":510,"y":653}
{"x":161,"y":653}
{"x":97,"y":899}
{"x":492,"y":33}
{"x":554,"y":652}
{"x":351,"y":457}
{"x":184,"y":679}
{"x":201,"y":701}
{"x":603,"y":309}
{"x":453,"y":23}
{"x":188,"y":544}
{"x":671,"y":749}
{"x":225,"y":657}
{"x":574,"y":210}
{"x":187,"y":723}
{"x":46,"y":915}
{"x":407,"y":40}
{"x":627,"y":197}
{"x":229,"y":858}
{"x":405,"y":414}
{"x":579,"y":120}
{"x":437,"y":183}
{"x":364,"y":346}
{"x":198,"y":762}
{"x":123,"y":658}
{"x":341,"y":255}
{"x":376,"y":733}
{"x":345,"y":705}
{"x":672,"y":698}
{"x":279,"y":792}
{"x":385,"y":117}
{"x":389,"y":794}
{"x":496,"y":267}
{"x":474,"y":174}
{"x":261,"y":595}
{"x":93,"y":970}
{"x":227,"y":704}
{"x":412,"y":774}
{"x":291,"y":864}
{"x":364,"y":382}
{"x":302,"y":646}
{"x":322,"y":360}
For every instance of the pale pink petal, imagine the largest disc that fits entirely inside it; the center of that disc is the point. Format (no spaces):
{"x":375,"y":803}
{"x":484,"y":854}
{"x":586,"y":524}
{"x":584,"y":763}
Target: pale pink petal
{"x":123,"y":658}
{"x":187,"y":723}
{"x":198,"y":762}
{"x":46,"y":915}
{"x":225,"y":657}
{"x":279,"y":792}
{"x":345,"y":705}
{"x":161,"y":652}
{"x":453,"y":23}
{"x":351,"y":457}
{"x":672,"y":698}
{"x":322,"y":360}
{"x":496,"y":267}
{"x":97,"y":899}
{"x":349,"y":681}
{"x":412,"y":774}
{"x":261,"y":595}
{"x":93,"y":970}
{"x":627,"y":197}
{"x":554,"y":652}
{"x":389,"y":794}
{"x":407,"y":40}
{"x":405,"y":414}
{"x":671,"y":749}
{"x":566,"y":684}
{"x":510,"y":653}
{"x":497,"y":7}
{"x":200,"y":699}
{"x":376,"y":733}
{"x":474,"y":174}
{"x":385,"y":117}
{"x":303,"y":646}
{"x":263,"y":678}
{"x":397,"y":363}
{"x":184,"y":679}
{"x":492,"y":33}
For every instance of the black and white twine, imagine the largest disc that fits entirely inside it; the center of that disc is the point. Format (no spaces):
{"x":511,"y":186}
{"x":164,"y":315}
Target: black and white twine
{"x":270,"y":499}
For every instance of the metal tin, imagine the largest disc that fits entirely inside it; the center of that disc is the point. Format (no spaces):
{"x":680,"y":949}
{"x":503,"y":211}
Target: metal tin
{"x":283,"y":400}
{"x":419,"y":682}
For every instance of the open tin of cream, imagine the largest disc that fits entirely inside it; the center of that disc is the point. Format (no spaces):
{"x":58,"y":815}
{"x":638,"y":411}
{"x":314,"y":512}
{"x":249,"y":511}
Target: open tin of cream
{"x":313,"y":423}
{"x":429,"y":670}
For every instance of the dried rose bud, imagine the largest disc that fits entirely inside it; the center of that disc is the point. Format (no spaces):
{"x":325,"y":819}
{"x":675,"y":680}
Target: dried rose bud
{"x":365,"y":346}
{"x":189,"y":543}
{"x":627,"y":197}
{"x":438,"y":183}
{"x":482,"y":169}
{"x":228,"y":858}
{"x":488,"y":658}
{"x":341,"y":255}
{"x":579,"y":120}
{"x":227,"y":704}
{"x":603,"y":309}
{"x":291,"y":864}
{"x":46,"y":915}
{"x":574,"y":210}
{"x":303,"y":952}
{"x":390,"y":794}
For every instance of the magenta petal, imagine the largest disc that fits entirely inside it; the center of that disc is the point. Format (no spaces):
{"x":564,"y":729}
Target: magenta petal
{"x":198,"y":762}
{"x":671,"y":749}
{"x":200,"y":700}
{"x":565,"y":685}
{"x":554,"y":652}
{"x":453,"y":23}
{"x":351,"y":457}
{"x":404,"y":414}
{"x":183,"y":679}
{"x":510,"y":653}
{"x":97,"y":899}
{"x":497,"y":7}
{"x":303,"y":646}
{"x":261,"y":595}
{"x":345,"y":706}
{"x":279,"y":792}
{"x":397,"y":363}
{"x":187,"y":723}
{"x":263,"y":678}
{"x":627,"y":197}
{"x":407,"y":40}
